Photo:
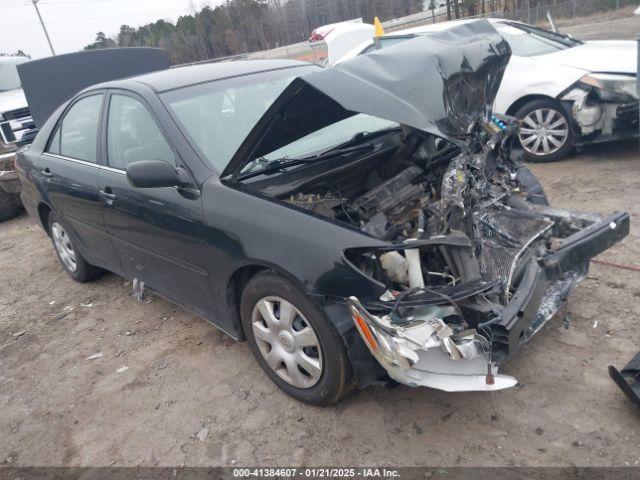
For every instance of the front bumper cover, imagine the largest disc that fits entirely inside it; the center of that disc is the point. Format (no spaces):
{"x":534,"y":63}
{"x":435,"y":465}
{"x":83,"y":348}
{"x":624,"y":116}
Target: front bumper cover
{"x":425,"y":353}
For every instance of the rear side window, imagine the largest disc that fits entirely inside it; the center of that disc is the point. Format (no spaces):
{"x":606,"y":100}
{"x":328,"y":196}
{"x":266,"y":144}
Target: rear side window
{"x":77,"y":133}
{"x":133,"y":135}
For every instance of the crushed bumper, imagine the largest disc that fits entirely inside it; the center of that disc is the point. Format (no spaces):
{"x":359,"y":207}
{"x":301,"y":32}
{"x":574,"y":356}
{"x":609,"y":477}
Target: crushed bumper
{"x":598,"y":121}
{"x":628,"y":379}
{"x":546,"y":284}
{"x":424,"y":351}
{"x":8,"y":176}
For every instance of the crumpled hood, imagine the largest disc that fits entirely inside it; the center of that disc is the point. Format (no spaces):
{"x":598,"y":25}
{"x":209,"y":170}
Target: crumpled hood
{"x":12,"y":100}
{"x":606,"y":56}
{"x":441,"y":84}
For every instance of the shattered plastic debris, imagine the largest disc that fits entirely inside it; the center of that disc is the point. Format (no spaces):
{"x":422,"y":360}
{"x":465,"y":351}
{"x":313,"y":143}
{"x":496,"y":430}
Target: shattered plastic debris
{"x":95,"y":356}
{"x":122,"y":369}
{"x":138,"y":289}
{"x":203,"y":434}
{"x":87,"y":305}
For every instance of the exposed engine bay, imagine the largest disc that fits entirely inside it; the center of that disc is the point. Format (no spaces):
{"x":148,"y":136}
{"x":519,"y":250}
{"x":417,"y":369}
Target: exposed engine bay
{"x":451,"y":212}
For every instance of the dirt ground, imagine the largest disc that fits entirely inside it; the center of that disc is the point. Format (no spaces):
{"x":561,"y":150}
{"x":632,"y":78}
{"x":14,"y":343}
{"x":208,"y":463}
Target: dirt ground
{"x":191,"y":396}
{"x":612,"y":25}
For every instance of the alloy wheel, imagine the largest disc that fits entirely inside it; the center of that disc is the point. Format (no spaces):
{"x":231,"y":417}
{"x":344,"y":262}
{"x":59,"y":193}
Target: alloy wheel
{"x":287,"y":342}
{"x":544,"y":131}
{"x":64,"y":247}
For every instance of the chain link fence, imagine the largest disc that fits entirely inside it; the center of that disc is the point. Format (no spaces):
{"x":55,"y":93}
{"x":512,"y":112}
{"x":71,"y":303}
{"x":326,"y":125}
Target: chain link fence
{"x":533,"y":13}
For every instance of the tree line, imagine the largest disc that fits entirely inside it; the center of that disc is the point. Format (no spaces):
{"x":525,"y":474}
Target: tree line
{"x":243,"y":26}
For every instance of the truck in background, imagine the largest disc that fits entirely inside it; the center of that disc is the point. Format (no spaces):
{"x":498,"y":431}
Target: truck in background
{"x":16,"y":129}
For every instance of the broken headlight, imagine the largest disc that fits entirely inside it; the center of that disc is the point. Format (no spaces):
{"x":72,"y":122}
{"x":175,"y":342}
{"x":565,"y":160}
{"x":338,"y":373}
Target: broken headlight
{"x":612,"y":87}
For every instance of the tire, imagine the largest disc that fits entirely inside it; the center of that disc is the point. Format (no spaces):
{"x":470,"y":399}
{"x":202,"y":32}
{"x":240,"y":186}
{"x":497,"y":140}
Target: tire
{"x":10,"y":205}
{"x":533,"y":144}
{"x":330,"y":379}
{"x":77,"y":268}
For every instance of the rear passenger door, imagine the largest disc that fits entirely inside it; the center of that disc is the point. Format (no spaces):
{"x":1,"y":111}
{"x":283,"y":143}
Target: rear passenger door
{"x":157,"y":232}
{"x":68,"y":176}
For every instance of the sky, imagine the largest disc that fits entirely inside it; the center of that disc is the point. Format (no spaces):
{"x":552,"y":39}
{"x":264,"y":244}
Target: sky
{"x":72,"y":24}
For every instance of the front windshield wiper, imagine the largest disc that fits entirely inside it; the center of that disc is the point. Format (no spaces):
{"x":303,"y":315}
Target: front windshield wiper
{"x":563,"y":38}
{"x":273,"y":166}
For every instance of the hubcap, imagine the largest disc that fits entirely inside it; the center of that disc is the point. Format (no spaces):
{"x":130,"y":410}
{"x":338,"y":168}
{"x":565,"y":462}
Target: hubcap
{"x":64,"y":247}
{"x":544,"y":131}
{"x":287,"y":342}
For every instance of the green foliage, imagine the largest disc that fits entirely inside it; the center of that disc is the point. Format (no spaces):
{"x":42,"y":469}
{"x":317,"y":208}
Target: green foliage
{"x":101,"y":42}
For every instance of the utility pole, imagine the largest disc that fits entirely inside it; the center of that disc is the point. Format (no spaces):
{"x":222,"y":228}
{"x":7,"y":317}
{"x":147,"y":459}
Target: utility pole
{"x":46,"y":34}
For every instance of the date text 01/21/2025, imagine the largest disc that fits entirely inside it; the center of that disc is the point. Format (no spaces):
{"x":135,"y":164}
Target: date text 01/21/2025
{"x":315,"y":473}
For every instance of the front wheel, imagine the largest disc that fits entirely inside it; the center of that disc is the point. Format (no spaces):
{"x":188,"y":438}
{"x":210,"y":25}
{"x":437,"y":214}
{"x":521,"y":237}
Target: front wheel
{"x":293,"y":341}
{"x":545,"y":134}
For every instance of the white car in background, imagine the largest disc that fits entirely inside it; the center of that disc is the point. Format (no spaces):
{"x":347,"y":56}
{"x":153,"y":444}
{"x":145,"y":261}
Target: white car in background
{"x":567,"y":92}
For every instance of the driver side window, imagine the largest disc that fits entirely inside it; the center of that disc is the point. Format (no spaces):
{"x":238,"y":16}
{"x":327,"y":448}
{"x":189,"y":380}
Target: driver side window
{"x":133,"y":135}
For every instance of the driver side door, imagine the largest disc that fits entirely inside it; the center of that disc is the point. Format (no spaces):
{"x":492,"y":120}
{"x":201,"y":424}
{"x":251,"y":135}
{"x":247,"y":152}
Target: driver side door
{"x":157,"y":232}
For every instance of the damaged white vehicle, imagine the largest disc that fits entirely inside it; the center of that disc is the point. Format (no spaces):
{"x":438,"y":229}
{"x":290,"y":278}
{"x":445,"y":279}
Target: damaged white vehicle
{"x":568,"y":92}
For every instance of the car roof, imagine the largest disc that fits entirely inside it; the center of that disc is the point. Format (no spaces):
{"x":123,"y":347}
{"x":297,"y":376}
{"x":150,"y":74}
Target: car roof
{"x":186,"y":75}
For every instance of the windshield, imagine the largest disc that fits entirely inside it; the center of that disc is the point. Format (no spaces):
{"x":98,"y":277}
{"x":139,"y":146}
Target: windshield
{"x":9,"y":79}
{"x":528,"y":41}
{"x":325,"y":139}
{"x":217,"y":116}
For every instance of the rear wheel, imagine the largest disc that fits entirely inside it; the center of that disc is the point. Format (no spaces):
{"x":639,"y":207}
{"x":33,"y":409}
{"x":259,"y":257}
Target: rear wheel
{"x":71,"y":259}
{"x":10,"y":205}
{"x":545,"y":134}
{"x":293,"y":342}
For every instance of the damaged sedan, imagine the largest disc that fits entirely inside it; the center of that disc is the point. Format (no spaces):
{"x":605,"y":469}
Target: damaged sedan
{"x":365,"y":224}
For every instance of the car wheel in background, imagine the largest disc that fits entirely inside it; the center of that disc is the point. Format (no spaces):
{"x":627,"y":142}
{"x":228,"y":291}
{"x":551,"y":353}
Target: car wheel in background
{"x":10,"y":205}
{"x":293,"y":341}
{"x":545,"y":134}
{"x":71,"y":259}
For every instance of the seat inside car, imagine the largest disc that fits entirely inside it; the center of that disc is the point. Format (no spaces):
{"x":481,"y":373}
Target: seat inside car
{"x":150,"y":144}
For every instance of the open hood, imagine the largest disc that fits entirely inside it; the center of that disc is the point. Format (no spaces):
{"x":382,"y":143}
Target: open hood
{"x":441,"y":83}
{"x":49,"y":82}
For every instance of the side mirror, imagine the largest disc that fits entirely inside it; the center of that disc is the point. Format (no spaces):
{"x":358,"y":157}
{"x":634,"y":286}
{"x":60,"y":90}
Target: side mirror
{"x":153,"y":174}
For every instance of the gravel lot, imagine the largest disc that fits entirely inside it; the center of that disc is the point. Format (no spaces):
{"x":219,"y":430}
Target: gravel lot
{"x":191,"y":396}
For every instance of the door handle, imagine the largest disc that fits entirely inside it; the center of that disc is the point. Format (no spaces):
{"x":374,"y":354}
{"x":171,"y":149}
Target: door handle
{"x":47,"y":173}
{"x":108,"y":196}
